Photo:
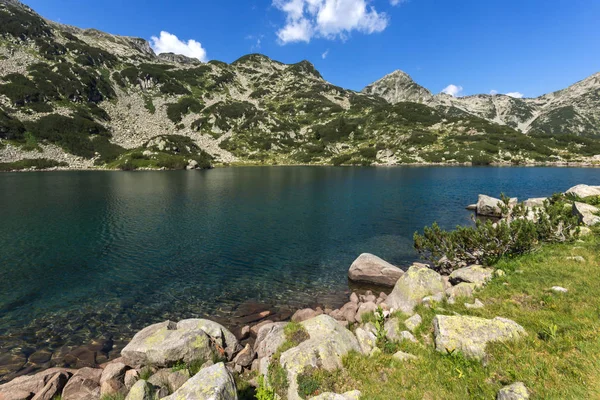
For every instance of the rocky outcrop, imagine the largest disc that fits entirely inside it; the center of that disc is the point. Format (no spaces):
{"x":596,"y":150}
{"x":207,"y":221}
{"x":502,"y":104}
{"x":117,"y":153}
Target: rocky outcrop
{"x":588,"y":214}
{"x":516,"y":391}
{"x":418,"y":282}
{"x":470,"y":335}
{"x":372,"y":269}
{"x":212,"y":383}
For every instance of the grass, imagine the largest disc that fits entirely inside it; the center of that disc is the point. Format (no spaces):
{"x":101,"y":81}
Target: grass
{"x":118,"y":396}
{"x":557,"y":360}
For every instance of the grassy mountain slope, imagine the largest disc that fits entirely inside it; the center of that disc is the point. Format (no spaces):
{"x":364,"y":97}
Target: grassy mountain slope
{"x":90,"y":99}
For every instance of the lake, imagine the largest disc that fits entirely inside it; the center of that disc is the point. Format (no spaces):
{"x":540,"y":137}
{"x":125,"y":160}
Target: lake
{"x":88,"y":258}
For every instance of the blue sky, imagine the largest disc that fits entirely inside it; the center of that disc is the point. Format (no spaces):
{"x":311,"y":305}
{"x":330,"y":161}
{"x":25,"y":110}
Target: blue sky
{"x":519,"y":46}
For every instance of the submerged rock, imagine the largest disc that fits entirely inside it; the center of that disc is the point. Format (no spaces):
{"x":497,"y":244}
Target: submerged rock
{"x":470,"y":335}
{"x":418,"y":282}
{"x":369,"y":268}
{"x":212,"y":383}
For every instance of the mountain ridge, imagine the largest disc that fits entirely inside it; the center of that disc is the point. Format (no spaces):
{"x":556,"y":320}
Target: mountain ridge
{"x":88,"y":99}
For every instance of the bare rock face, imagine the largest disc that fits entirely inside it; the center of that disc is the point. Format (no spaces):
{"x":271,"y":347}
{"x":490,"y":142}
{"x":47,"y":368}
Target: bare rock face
{"x":212,"y":383}
{"x":470,"y":335}
{"x":372,"y":269}
{"x":588,"y":214}
{"x":417,"y":283}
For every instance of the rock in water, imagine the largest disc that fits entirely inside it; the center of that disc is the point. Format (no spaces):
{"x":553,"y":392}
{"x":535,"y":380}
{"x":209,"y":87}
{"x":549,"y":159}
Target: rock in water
{"x":372,"y":269}
{"x":328,"y":343}
{"x":417,"y":283}
{"x":212,"y":383}
{"x":470,"y":335}
{"x":516,"y":391}
{"x":584,"y":191}
{"x":588,"y":214}
{"x":488,"y":206}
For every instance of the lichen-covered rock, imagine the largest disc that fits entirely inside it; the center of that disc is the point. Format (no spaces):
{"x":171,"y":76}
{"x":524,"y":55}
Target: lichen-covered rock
{"x":516,"y":391}
{"x":588,"y":214}
{"x":369,"y":268}
{"x":353,"y":395}
{"x":472,"y":274}
{"x":470,"y":335}
{"x":328,"y":343}
{"x":402,"y":356}
{"x":188,"y":341}
{"x":461,"y":290}
{"x":269,"y":338}
{"x":212,"y":383}
{"x":413,"y":322}
{"x":584,"y":191}
{"x":366,"y":339}
{"x":141,"y":390}
{"x":392,"y":329}
{"x":84,"y":385}
{"x":417,"y":283}
{"x":365,"y":308}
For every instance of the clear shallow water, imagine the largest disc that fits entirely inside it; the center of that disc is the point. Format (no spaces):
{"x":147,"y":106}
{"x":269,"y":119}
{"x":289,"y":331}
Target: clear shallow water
{"x":94,"y":255}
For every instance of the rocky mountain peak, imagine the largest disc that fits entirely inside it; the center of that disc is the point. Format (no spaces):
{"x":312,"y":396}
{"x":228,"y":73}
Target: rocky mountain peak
{"x":398,"y":87}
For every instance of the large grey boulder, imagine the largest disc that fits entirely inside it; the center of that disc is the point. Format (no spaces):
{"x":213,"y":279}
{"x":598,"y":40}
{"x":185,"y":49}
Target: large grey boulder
{"x":212,"y":383}
{"x":369,"y":268}
{"x":366,"y":339}
{"x":353,"y":395}
{"x":112,"y":380}
{"x":269,"y":338}
{"x":536,"y":202}
{"x":489,"y":206}
{"x":328,"y":342}
{"x":516,"y":391}
{"x":584,"y":191}
{"x":84,"y":385}
{"x":141,"y":390}
{"x":53,"y":388}
{"x":473,"y":274}
{"x":470,"y":335}
{"x":167,"y":343}
{"x":588,"y":214}
{"x":418,"y":282}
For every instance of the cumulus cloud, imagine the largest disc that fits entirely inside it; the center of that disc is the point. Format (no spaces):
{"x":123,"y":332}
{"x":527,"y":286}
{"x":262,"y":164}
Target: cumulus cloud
{"x":329,"y":19}
{"x":453,"y":90}
{"x":493,"y":92}
{"x":516,"y":95}
{"x":169,"y":43}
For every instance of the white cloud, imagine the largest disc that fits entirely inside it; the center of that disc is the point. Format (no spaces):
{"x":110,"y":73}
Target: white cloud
{"x":516,"y":95}
{"x":329,"y":19}
{"x":493,"y":92}
{"x":325,"y":54}
{"x":453,"y":90}
{"x":396,"y":2}
{"x":169,"y":43}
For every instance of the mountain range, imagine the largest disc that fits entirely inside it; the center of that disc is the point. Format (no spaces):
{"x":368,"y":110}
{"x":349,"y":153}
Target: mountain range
{"x":82,"y":98}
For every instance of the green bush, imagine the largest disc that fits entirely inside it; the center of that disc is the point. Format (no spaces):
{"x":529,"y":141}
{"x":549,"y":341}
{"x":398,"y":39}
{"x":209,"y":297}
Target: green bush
{"x":37,"y":163}
{"x":21,"y":24}
{"x":185,"y":105}
{"x":11,"y":128}
{"x":487,"y":242}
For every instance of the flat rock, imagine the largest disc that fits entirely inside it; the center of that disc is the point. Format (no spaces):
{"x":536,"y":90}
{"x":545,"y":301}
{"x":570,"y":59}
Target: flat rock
{"x":516,"y":391}
{"x":475,"y":305}
{"x":418,"y":282}
{"x":53,"y":388}
{"x":212,"y":383}
{"x":470,"y":335}
{"x":402,"y":356}
{"x":587,"y":214}
{"x":472,"y":274}
{"x":584,"y":191}
{"x":32,"y":383}
{"x":353,"y":395}
{"x":369,"y":268}
{"x":329,"y":342}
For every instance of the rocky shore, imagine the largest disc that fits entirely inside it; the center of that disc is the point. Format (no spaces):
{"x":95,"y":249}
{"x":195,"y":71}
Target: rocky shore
{"x":196,"y":359}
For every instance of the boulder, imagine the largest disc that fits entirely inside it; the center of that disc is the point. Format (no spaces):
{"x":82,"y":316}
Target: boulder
{"x":535,"y":202}
{"x":406,"y":335}
{"x":269,"y":338}
{"x":212,"y":383}
{"x":488,"y":206}
{"x":366,"y":339}
{"x":584,"y":191}
{"x":84,"y":385}
{"x":245,"y":357}
{"x":354,"y":298}
{"x":112,"y":380}
{"x":303,"y":315}
{"x":329,"y":342}
{"x":353,"y":395}
{"x":413,"y":322}
{"x":369,"y":268}
{"x":472,"y":274}
{"x":476,"y":305}
{"x":559,"y":289}
{"x":461,"y":290}
{"x":141,"y":390}
{"x":516,"y":391}
{"x":402,"y":356}
{"x":365,"y":308}
{"x":470,"y":335}
{"x":418,"y":282}
{"x":587,"y":214}
{"x":392,"y":329}
{"x":348,"y":311}
{"x":254,"y":330}
{"x":32,"y":383}
{"x":131,"y":377}
{"x":168,"y":343}
{"x":53,"y":388}
{"x":472,"y":207}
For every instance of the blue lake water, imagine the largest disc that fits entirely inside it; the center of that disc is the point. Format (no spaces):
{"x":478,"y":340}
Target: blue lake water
{"x":90,"y":255}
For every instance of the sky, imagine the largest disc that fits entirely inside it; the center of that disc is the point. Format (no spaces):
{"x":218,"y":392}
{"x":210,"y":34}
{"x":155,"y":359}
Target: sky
{"x":517,"y":47}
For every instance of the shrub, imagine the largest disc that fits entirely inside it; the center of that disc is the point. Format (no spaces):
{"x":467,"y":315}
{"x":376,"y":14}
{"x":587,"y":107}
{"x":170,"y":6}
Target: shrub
{"x":185,"y":105}
{"x":11,"y":128}
{"x":487,"y":242}
{"x":37,"y":163}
